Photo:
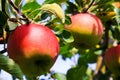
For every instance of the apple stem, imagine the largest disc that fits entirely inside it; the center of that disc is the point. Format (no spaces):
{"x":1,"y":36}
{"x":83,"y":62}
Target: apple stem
{"x":18,"y":11}
{"x":86,"y":9}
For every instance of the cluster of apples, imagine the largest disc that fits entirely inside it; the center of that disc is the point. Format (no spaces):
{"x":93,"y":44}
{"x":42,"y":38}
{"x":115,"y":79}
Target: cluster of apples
{"x":34,"y":47}
{"x":87,"y":30}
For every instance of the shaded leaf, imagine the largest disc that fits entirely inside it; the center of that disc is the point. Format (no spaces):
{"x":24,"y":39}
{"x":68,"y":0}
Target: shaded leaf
{"x":80,"y":2}
{"x":56,"y":25}
{"x":86,"y":58}
{"x":67,"y":36}
{"x":115,"y":32}
{"x":45,"y":15}
{"x":53,"y":1}
{"x":76,"y":73}
{"x":117,"y":10}
{"x":71,"y":8}
{"x":18,"y":3}
{"x":67,"y":20}
{"x":3,"y":2}
{"x":10,"y":66}
{"x":65,"y":51}
{"x":1,"y":31}
{"x":3,"y":19}
{"x":54,"y":9}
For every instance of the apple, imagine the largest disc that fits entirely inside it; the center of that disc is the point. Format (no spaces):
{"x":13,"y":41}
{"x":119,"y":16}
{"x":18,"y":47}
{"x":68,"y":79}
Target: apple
{"x":86,"y":28}
{"x":34,"y":48}
{"x":112,"y":59}
{"x":116,"y":4}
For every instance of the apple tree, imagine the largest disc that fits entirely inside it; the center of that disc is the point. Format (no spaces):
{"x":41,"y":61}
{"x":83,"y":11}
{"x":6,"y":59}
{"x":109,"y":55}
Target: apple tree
{"x":35,"y":32}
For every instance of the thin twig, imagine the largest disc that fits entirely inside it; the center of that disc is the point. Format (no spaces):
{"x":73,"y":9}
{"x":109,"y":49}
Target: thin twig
{"x":99,"y":63}
{"x":86,"y":9}
{"x":18,"y":11}
{"x":20,"y":3}
{"x":14,"y":20}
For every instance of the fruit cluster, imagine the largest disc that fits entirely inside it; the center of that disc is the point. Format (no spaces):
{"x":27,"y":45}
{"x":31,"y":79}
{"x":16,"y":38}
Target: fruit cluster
{"x":35,"y":47}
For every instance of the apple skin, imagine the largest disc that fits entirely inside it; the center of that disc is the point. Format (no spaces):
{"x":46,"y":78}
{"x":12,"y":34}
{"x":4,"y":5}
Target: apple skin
{"x":112,"y":59}
{"x":86,"y":28}
{"x":116,"y":4}
{"x":34,"y":48}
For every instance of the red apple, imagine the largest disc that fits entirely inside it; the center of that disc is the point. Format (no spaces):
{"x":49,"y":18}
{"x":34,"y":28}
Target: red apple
{"x":86,"y":28}
{"x":112,"y":59}
{"x":34,"y":48}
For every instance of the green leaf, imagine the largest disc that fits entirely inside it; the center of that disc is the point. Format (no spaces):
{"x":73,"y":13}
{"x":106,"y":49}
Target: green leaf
{"x":55,"y":24}
{"x":71,"y":8}
{"x":54,"y":1}
{"x":45,"y":15}
{"x":67,"y":20}
{"x":60,"y":76}
{"x":4,"y":8}
{"x":115,"y":32}
{"x":30,"y":7}
{"x":76,"y":73}
{"x":18,"y":3}
{"x":80,"y":3}
{"x":67,"y":36}
{"x":87,"y":58}
{"x":10,"y":66}
{"x":117,"y":10}
{"x":54,"y":9}
{"x":65,"y":51}
{"x":3,"y":5}
{"x":1,"y":31}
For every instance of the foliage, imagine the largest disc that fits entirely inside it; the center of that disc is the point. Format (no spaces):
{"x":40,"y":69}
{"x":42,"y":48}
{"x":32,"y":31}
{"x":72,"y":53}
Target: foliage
{"x":56,"y":16}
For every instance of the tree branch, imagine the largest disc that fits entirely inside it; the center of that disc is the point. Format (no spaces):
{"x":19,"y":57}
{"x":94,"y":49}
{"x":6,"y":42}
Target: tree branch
{"x":86,"y":9}
{"x":18,"y":11}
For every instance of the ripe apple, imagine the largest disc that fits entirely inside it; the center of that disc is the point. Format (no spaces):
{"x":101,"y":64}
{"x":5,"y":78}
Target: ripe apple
{"x":116,"y":4}
{"x":112,"y":59}
{"x":86,"y":28}
{"x":34,"y":48}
